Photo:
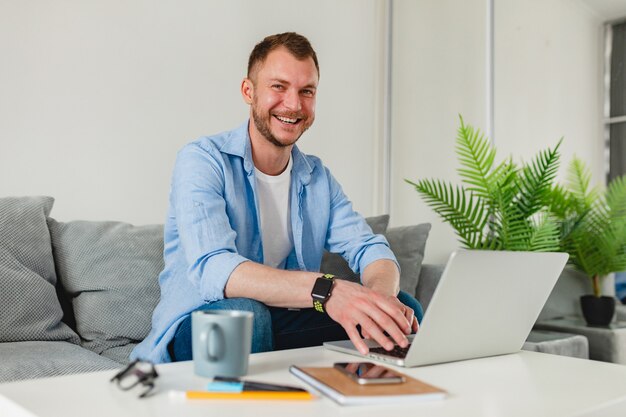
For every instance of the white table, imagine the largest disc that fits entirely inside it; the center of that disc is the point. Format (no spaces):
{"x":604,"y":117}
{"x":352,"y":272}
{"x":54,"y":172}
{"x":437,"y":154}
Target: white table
{"x":522,"y":384}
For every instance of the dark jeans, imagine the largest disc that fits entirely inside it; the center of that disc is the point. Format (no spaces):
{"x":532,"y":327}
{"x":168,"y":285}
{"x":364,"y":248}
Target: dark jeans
{"x":276,"y":328}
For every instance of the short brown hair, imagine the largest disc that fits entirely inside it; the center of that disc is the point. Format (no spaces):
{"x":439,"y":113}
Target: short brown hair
{"x":296,"y":44}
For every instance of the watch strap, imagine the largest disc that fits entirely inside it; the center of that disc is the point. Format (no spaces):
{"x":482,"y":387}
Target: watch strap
{"x":318,"y":304}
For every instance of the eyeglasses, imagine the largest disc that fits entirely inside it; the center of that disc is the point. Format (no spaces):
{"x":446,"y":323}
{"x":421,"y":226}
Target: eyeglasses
{"x":137,"y":373}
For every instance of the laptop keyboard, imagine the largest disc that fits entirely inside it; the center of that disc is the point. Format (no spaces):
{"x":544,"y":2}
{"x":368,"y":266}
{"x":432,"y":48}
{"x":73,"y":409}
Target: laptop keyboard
{"x":397,"y":351}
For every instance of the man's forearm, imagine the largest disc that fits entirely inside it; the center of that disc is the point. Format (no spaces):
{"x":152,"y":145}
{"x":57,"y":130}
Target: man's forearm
{"x":382,"y":276}
{"x":374,"y":307}
{"x":271,"y":286}
{"x":280,"y":288}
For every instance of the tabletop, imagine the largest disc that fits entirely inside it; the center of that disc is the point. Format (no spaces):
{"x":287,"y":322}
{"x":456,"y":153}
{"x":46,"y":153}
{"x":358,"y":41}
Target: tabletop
{"x":520,"y":384}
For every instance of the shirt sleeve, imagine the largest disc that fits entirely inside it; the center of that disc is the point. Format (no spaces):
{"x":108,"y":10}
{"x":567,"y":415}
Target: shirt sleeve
{"x":350,"y":235}
{"x":205,"y":234}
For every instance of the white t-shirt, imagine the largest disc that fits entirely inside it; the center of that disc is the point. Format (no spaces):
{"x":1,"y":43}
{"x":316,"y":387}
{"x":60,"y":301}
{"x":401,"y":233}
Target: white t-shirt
{"x":274,"y":206}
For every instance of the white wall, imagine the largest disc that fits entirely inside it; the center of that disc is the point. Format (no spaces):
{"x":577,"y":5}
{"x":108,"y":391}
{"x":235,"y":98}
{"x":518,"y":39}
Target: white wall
{"x":547,"y":85}
{"x":96,"y":97}
{"x":439,"y":66}
{"x":548,"y":80}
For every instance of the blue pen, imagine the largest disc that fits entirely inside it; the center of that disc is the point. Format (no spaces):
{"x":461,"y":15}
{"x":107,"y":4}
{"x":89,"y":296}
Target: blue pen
{"x":258,"y":386}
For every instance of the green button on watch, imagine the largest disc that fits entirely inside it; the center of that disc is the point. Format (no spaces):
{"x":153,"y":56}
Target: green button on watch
{"x":321,"y":291}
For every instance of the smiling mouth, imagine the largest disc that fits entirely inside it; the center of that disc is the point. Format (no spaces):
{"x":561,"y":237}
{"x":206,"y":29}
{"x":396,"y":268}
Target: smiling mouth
{"x":287,"y":120}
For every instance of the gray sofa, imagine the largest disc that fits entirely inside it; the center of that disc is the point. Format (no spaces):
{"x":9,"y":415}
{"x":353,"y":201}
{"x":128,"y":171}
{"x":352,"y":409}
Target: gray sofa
{"x":78,"y":296}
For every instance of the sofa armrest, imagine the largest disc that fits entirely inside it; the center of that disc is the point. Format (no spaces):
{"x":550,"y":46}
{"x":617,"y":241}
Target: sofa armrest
{"x":620,"y":311}
{"x":428,"y":280}
{"x":557,"y":343}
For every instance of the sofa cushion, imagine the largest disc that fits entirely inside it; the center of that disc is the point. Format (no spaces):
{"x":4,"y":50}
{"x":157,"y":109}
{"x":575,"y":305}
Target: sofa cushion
{"x":29,"y":307}
{"x":408,"y":244}
{"x":333,"y":263}
{"x":430,"y":275}
{"x":119,"y":354}
{"x":27,"y":360}
{"x":110,"y":271}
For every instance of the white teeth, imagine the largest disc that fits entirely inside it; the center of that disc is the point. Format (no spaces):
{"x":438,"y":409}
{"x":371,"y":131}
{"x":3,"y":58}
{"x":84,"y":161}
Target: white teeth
{"x":286,"y":119}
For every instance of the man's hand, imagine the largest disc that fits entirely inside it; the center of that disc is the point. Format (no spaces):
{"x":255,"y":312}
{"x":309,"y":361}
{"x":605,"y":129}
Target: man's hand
{"x":408,"y":313}
{"x":351,"y":304}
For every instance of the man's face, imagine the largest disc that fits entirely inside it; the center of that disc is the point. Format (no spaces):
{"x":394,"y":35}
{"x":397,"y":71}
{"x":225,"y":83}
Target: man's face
{"x":282,"y":97}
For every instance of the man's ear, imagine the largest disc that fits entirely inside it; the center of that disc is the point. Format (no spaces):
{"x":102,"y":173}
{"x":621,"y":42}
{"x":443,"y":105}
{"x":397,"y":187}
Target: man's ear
{"x":247,"y":90}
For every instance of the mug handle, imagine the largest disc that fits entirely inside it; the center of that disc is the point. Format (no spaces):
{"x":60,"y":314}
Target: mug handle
{"x":212,"y":332}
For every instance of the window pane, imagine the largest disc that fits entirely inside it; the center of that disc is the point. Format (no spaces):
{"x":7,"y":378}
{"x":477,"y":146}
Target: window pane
{"x":618,"y":150}
{"x":617,"y":142}
{"x":618,"y":71}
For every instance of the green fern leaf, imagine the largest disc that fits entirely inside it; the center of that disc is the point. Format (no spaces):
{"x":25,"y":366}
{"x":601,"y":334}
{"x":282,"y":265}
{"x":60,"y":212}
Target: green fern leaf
{"x":456,"y":206}
{"x":476,"y":157}
{"x":545,"y":235}
{"x":500,"y":203}
{"x":536,"y":181}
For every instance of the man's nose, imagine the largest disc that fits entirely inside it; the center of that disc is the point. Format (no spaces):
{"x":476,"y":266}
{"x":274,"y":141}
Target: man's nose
{"x":292,"y":100}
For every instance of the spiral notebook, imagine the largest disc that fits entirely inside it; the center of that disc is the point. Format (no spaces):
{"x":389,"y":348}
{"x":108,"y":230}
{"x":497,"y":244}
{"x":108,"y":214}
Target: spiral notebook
{"x":341,"y":389}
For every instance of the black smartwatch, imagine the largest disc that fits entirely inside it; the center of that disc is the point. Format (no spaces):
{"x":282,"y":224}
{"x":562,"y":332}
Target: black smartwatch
{"x":321,"y":291}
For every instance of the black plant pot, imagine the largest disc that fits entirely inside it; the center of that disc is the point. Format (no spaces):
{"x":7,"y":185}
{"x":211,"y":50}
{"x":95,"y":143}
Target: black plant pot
{"x":598,"y":311}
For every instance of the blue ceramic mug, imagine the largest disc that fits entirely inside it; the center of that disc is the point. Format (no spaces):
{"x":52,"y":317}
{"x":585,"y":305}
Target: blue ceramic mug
{"x":221,"y":342}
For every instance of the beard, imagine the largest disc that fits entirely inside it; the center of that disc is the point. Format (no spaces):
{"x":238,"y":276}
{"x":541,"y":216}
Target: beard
{"x":262,"y":124}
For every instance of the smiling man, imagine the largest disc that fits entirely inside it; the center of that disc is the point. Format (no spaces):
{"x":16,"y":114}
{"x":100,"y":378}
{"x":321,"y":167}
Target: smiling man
{"x":249,"y":218}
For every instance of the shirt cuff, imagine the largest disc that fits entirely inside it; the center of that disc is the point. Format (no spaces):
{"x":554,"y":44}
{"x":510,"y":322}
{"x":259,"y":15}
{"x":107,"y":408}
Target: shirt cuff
{"x":375,"y":253}
{"x":216,"y":273}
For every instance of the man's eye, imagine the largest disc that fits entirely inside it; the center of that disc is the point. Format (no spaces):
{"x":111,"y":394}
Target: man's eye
{"x":277,"y":87}
{"x":309,"y":93}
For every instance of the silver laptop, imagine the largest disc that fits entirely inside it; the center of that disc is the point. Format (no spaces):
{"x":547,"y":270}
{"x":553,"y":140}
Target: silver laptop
{"x":484,"y":305}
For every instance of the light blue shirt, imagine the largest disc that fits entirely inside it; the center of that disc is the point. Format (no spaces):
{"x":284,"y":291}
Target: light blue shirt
{"x":213,"y":226}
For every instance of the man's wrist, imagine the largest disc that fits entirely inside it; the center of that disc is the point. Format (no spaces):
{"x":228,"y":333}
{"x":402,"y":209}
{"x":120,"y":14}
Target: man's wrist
{"x":383,"y":285}
{"x":385,"y":290}
{"x":321,"y":292}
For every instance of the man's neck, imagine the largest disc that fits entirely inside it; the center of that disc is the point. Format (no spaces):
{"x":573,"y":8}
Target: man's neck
{"x":267,"y":157}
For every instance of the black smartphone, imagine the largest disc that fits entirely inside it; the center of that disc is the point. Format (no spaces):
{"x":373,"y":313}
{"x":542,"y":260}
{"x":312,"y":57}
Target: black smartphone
{"x":369,"y":373}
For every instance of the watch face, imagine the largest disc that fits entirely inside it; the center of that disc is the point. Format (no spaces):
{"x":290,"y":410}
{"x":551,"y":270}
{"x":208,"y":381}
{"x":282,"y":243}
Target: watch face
{"x":322,"y":287}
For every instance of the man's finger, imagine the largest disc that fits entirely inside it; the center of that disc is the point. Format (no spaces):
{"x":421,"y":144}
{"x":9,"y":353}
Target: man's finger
{"x":397,"y":331}
{"x":408,"y":314}
{"x":358,"y":343}
{"x":372,"y":327}
{"x":396,"y":310}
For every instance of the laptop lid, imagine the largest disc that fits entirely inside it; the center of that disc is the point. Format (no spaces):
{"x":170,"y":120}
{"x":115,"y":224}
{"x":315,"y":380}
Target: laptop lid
{"x":485,"y":304}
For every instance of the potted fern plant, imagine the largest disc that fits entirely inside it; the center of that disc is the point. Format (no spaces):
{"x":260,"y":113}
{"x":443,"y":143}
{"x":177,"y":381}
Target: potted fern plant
{"x":500,"y":206}
{"x":593,"y":232}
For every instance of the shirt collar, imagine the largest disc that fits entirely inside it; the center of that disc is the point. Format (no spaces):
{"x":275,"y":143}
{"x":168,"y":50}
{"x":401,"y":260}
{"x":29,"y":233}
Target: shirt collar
{"x":238,"y":144}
